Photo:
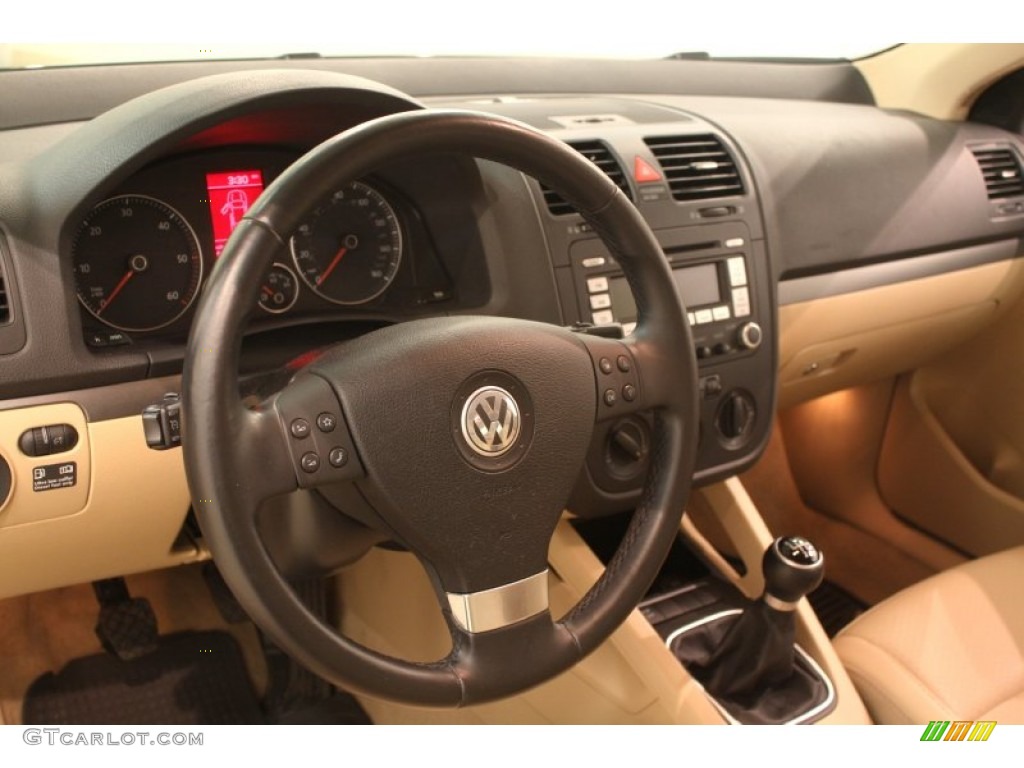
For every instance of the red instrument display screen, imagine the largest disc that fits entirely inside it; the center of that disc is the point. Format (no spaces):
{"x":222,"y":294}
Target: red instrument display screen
{"x":230,"y":195}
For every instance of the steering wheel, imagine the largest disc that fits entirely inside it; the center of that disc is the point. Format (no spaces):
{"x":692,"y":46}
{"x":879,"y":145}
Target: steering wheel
{"x":464,"y":434}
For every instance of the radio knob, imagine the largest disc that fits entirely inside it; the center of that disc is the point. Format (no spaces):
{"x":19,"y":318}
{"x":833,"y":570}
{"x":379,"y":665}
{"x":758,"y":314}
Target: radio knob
{"x":750,"y":336}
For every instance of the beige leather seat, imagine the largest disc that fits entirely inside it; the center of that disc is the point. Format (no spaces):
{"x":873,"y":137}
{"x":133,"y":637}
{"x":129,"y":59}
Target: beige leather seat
{"x":948,"y":648}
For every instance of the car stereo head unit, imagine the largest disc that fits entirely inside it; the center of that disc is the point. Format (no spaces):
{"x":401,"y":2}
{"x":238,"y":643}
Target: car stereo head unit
{"x":713,"y":280}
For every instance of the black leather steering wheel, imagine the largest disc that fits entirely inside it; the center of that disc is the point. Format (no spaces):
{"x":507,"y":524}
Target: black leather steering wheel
{"x":465,"y":434}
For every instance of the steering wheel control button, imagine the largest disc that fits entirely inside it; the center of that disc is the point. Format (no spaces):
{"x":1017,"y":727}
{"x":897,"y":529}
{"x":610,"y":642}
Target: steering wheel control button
{"x":338,"y":457}
{"x":326,"y":422}
{"x":310,"y":462}
{"x":610,"y":398}
{"x":299,"y":428}
{"x":623,"y":364}
{"x":161,"y":423}
{"x":605,"y":365}
{"x":492,"y":420}
{"x":629,"y":393}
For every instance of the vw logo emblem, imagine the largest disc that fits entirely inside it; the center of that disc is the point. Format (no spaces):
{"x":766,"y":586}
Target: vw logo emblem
{"x":490,"y":421}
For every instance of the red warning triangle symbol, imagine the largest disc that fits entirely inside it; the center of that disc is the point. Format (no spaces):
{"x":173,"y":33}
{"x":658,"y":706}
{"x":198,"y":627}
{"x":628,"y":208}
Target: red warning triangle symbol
{"x":644,"y":172}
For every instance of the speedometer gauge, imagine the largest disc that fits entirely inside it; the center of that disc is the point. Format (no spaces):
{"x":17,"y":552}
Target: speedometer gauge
{"x":138,"y":264}
{"x":349,"y":249}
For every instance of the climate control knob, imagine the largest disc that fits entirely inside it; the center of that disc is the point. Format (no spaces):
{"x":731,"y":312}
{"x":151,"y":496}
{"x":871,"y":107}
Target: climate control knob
{"x":750,"y":336}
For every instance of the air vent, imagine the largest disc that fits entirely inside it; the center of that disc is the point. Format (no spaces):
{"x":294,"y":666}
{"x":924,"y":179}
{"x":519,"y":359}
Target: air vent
{"x":696,"y":167}
{"x":1002,"y":171}
{"x":5,"y":304}
{"x":598,"y":153}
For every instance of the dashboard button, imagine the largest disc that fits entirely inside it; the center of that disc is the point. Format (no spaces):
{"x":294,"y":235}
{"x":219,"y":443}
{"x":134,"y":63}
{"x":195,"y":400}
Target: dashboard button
{"x":737,"y":271}
{"x":720,"y":313}
{"x":600,"y":301}
{"x":703,"y":316}
{"x":604,"y":317}
{"x":299,"y":428}
{"x":597,"y":284}
{"x":326,"y":422}
{"x":593,"y":261}
{"x":740,"y":302}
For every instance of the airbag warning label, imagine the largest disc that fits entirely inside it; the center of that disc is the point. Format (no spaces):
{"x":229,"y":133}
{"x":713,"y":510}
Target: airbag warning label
{"x":54,"y":476}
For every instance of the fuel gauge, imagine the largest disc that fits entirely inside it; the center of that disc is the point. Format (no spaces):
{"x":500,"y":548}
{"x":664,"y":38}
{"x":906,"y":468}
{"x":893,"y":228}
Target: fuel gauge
{"x":280,"y":289}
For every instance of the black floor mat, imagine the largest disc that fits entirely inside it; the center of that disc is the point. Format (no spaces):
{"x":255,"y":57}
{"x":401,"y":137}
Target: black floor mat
{"x":835,"y":607}
{"x":193,"y":678}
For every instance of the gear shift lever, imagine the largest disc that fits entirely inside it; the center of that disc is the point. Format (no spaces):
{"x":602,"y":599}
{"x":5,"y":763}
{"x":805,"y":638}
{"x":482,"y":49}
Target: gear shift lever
{"x":757,"y":651}
{"x":792,"y":567}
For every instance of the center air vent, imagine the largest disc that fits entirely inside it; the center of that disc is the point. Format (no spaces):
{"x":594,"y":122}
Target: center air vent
{"x":600,"y":155}
{"x":1002,"y":171}
{"x":697,"y":167}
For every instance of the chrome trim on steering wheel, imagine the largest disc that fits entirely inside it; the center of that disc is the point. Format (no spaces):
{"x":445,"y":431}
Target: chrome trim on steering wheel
{"x":498,"y":607}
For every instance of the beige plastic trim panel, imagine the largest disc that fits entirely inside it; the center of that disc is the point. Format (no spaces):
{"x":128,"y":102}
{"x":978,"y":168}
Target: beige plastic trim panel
{"x":842,"y":341}
{"x":938,"y":79}
{"x":136,"y":503}
{"x":924,"y":476}
{"x":387,"y":603}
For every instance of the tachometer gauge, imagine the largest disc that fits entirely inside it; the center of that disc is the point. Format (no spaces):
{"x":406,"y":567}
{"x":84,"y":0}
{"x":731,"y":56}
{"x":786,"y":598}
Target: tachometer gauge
{"x":349,"y":249}
{"x":138,"y":264}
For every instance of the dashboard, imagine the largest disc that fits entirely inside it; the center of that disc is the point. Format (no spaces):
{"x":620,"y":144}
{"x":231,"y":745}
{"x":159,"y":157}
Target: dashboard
{"x":772,"y":208}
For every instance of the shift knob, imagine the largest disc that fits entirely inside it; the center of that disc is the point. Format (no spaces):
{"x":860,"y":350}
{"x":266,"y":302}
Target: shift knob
{"x":793,"y":566}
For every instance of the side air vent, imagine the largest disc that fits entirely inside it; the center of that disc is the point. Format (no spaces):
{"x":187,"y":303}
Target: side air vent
{"x":697,"y":167}
{"x":600,"y":155}
{"x":1002,"y":171}
{"x":5,"y":304}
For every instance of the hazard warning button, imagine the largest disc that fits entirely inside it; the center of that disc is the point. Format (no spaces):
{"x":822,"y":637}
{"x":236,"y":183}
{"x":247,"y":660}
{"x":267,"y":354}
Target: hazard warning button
{"x":644,"y":172}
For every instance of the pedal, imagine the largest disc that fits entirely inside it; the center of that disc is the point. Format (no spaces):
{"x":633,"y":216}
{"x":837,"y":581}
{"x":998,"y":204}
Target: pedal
{"x":127,"y":625}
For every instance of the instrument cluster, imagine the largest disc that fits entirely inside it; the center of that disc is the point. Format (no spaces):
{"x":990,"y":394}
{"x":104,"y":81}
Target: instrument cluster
{"x":140,"y":255}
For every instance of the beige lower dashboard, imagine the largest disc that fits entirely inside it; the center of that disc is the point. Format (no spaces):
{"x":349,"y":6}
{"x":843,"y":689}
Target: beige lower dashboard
{"x":840,"y":341}
{"x":122,"y":513}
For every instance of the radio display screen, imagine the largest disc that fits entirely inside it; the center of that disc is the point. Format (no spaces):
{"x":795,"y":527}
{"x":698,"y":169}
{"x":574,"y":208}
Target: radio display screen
{"x":698,"y":287}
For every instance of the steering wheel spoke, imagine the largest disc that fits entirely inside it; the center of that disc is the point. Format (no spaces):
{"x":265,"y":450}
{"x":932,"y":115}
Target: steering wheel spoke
{"x":315,"y":434}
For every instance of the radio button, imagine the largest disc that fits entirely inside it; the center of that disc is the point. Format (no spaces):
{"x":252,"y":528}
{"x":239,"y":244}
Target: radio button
{"x":734,"y":242}
{"x":604,"y":317}
{"x":594,"y":261}
{"x":720,"y":313}
{"x":600,"y":301}
{"x":597,"y":284}
{"x":737,"y":271}
{"x":740,"y":302}
{"x":690,"y":316}
{"x":703,"y":316}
